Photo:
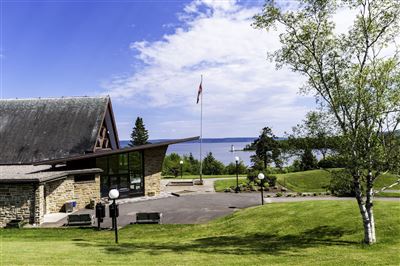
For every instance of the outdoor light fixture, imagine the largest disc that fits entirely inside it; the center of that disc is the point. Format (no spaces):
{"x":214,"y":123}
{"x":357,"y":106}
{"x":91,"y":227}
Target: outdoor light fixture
{"x":237,"y":174}
{"x":261,"y":176}
{"x":181,"y":163}
{"x":114,"y":194}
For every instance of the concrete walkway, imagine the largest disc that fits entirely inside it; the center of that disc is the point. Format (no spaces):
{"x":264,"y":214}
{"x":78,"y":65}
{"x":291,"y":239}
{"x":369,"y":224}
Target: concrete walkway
{"x":207,"y":187}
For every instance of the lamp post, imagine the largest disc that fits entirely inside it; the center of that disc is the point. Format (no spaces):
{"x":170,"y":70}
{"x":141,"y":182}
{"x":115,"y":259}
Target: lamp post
{"x":114,"y":194}
{"x":261,"y":177}
{"x":181,"y":163}
{"x":237,"y":174}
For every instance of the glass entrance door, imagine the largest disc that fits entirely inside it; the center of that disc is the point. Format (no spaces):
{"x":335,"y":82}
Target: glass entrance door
{"x":123,"y":172}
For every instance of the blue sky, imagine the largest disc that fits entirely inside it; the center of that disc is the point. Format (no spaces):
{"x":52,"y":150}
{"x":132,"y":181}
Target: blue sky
{"x":149,"y":55}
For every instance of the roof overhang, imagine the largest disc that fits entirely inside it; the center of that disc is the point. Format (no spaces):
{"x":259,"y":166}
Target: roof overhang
{"x":112,"y":152}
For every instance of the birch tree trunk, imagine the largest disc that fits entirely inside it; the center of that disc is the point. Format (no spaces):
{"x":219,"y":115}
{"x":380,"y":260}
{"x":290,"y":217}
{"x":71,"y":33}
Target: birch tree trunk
{"x":366,"y":211}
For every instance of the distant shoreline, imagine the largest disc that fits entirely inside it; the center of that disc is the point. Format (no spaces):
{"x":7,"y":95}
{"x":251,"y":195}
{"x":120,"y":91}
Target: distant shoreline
{"x":205,"y":140}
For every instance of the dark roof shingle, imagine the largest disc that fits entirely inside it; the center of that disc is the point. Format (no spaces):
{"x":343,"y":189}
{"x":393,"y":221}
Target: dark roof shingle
{"x":33,"y":130}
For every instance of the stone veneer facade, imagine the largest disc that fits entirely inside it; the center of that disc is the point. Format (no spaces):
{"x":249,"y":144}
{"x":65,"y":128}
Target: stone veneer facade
{"x":17,"y":202}
{"x":30,"y":201}
{"x":153,"y":161}
{"x":59,"y":191}
{"x":85,"y":191}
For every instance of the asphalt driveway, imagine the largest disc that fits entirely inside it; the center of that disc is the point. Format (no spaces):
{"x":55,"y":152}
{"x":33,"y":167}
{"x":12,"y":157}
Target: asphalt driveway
{"x":198,"y":208}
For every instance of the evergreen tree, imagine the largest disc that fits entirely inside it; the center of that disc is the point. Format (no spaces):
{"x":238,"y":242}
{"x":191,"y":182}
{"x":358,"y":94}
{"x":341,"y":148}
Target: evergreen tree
{"x":139,"y":135}
{"x":267,"y":149}
{"x":308,"y":160}
{"x":211,"y":166}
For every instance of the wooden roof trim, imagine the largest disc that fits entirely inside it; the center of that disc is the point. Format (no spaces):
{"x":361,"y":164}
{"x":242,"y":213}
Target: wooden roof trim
{"x":109,"y":106}
{"x":112,"y":152}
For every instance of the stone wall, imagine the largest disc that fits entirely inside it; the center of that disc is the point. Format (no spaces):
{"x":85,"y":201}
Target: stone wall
{"x":87,"y":190}
{"x":153,"y":161}
{"x":57,"y":193}
{"x":30,"y":201}
{"x":38,"y":208}
{"x":17,"y":202}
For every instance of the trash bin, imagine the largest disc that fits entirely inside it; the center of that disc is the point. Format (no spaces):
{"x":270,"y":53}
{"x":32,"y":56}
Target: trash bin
{"x":69,"y":206}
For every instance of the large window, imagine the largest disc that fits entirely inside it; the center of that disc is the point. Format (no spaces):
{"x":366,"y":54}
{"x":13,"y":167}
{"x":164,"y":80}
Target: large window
{"x":122,"y":171}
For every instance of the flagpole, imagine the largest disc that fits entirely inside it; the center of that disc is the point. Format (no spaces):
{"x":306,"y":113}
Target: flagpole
{"x":201,"y":131}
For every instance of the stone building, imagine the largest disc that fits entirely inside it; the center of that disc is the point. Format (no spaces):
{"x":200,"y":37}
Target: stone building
{"x":67,"y":149}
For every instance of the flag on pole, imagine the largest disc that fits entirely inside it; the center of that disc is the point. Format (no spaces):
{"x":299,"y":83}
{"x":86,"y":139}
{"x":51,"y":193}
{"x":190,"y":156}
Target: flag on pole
{"x":199,"y":91}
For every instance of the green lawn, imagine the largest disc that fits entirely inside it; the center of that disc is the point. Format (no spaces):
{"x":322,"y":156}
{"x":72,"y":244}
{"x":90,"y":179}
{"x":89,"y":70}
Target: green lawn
{"x":307,"y":181}
{"x":311,"y":181}
{"x":386,"y":180}
{"x":297,"y":233}
{"x":221,"y":185}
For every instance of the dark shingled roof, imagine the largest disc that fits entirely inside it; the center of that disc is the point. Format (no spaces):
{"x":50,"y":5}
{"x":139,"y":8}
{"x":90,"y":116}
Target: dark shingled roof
{"x":33,"y":130}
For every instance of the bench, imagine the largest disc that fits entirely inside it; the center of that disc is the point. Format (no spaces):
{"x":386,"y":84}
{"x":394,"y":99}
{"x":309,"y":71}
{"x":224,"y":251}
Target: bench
{"x":80,"y":219}
{"x":148,"y":217}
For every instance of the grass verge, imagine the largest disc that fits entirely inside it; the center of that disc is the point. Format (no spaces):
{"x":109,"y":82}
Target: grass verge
{"x":312,"y":181}
{"x":297,"y":233}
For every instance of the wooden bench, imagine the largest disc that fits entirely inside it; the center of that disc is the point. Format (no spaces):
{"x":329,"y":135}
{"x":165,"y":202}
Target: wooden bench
{"x":79,"y":219}
{"x":148,"y":217}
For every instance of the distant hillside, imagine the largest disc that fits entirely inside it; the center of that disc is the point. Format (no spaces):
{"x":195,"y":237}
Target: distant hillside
{"x":124,"y":143}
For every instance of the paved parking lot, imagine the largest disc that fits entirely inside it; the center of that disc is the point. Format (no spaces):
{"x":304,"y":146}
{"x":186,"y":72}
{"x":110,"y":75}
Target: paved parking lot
{"x":193,"y":207}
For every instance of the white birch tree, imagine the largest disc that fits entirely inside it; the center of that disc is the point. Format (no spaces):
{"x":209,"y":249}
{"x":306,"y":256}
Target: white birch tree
{"x":354,"y":76}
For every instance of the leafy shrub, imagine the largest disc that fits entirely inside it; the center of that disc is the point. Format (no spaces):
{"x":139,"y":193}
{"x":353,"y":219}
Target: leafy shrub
{"x":331,"y":162}
{"x":279,"y":194}
{"x":341,"y":184}
{"x":252,"y":175}
{"x":231,"y":168}
{"x":271,"y":181}
{"x":296,"y":166}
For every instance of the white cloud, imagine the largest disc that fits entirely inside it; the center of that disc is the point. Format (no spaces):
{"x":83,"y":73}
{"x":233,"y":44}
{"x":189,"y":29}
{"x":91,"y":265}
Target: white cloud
{"x":240,"y":85}
{"x":216,"y":39}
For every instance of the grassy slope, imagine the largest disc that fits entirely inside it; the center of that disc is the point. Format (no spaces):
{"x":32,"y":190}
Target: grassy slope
{"x":308,"y":181}
{"x":299,"y":233}
{"x":311,"y":181}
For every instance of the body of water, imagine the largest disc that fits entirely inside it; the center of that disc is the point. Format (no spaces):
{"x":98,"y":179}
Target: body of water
{"x":219,"y":147}
{"x":220,"y":150}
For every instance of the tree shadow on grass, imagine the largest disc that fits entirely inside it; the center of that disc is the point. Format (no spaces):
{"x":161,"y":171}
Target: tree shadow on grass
{"x":249,"y":244}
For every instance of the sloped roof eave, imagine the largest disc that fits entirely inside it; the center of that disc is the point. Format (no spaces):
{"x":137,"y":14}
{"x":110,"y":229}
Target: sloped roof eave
{"x":111,"y":152}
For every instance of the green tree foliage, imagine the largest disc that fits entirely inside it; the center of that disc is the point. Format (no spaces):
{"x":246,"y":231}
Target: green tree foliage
{"x":332,"y":161}
{"x":171,"y":165}
{"x":267,"y":150}
{"x":308,"y":160}
{"x":252,"y":177}
{"x":341,"y":184}
{"x":353,"y":80}
{"x":231,"y":168}
{"x":139,"y":135}
{"x":317,"y":131}
{"x":211,"y":166}
{"x":192,"y":164}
